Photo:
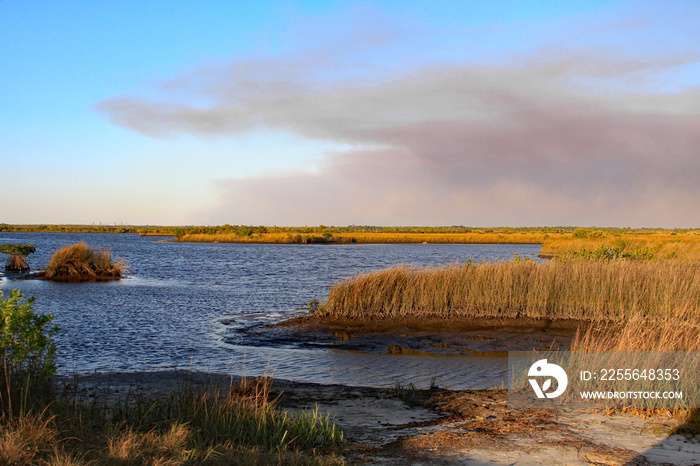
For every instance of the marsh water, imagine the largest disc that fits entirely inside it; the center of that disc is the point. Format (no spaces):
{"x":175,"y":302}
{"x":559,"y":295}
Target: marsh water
{"x":205,"y":306}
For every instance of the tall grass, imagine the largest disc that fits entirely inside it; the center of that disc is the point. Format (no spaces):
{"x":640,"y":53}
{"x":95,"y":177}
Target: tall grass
{"x":369,"y":238}
{"x":80,"y":262}
{"x":245,"y":414}
{"x":639,"y":334}
{"x":590,"y":244}
{"x":579,"y":290}
{"x":215,"y":424}
{"x":661,"y":245}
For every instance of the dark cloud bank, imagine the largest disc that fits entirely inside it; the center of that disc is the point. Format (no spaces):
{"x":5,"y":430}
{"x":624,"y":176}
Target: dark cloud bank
{"x":570,"y":141}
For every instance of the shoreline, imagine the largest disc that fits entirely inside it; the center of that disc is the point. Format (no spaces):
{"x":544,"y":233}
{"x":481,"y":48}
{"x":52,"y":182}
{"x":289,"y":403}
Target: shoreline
{"x":572,"y":242}
{"x":396,"y":426}
{"x":429,"y":323}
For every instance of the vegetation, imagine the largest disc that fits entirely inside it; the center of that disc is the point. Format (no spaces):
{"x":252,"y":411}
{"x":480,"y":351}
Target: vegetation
{"x":17,"y":260}
{"x":366,"y":237}
{"x":680,"y":244}
{"x":72,"y":228}
{"x":560,"y":242}
{"x":362,"y":234}
{"x":237,"y":424}
{"x":616,"y":250}
{"x":616,"y":303}
{"x":592,"y":291}
{"x":79,"y":262}
{"x":26,"y":353}
{"x":556,"y":242}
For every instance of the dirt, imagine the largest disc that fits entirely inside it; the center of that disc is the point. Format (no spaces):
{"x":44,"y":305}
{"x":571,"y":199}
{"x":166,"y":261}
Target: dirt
{"x":466,"y":427}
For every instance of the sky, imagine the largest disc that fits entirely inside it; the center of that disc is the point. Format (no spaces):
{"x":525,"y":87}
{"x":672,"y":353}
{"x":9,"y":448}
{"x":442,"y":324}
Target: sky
{"x":508,"y":113}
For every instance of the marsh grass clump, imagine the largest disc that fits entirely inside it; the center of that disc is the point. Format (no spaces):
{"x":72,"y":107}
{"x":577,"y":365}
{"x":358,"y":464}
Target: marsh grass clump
{"x":79,"y":262}
{"x":17,"y":256}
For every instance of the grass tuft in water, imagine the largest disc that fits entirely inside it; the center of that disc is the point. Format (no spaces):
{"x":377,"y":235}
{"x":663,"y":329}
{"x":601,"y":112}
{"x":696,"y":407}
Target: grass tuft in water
{"x":79,"y":262}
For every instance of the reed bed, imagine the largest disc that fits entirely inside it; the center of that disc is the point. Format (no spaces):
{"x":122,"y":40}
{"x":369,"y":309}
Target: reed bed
{"x":646,"y":244}
{"x":369,"y":238}
{"x":640,"y":334}
{"x":684,"y":246}
{"x":591,"y":291}
{"x":79,"y":262}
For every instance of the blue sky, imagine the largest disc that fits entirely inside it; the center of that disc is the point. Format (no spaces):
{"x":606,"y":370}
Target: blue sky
{"x":384,"y":113}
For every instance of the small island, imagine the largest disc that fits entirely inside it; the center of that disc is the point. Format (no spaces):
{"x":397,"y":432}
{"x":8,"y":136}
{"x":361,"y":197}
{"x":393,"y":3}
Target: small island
{"x":17,"y":259}
{"x":81,"y":263}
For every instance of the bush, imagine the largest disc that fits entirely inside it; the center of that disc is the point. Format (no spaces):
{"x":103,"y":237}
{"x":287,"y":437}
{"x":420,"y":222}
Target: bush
{"x":587,"y":233}
{"x":617,"y":250}
{"x":26,"y":351}
{"x":79,"y":262}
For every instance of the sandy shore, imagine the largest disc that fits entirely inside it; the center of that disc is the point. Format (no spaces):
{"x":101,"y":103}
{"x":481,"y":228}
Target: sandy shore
{"x":472,"y":427}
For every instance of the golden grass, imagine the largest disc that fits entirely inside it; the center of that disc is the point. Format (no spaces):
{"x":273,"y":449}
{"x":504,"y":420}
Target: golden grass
{"x":576,"y":290}
{"x":79,"y":262}
{"x":371,"y":238}
{"x":640,"y":334}
{"x":22,"y":439}
{"x":132,"y":446}
{"x":663,"y":245}
{"x":236,"y":424}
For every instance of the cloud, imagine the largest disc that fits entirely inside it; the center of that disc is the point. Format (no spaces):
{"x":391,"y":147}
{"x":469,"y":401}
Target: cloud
{"x":575,"y":138}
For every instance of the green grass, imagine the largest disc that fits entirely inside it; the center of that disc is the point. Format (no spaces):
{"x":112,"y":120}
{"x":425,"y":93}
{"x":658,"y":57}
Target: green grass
{"x":236,"y":424}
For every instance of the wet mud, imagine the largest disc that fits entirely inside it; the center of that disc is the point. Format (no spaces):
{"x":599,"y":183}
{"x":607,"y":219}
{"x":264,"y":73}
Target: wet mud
{"x":423,"y":338}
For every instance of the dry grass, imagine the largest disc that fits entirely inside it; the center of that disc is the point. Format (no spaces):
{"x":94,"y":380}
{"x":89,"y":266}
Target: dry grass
{"x":236,"y":424}
{"x":79,"y":262}
{"x":579,"y":290}
{"x":618,"y":306}
{"x":23,"y":439}
{"x":663,"y":245}
{"x":132,"y":446}
{"x":16,"y":263}
{"x":372,"y":238}
{"x":639,"y":334}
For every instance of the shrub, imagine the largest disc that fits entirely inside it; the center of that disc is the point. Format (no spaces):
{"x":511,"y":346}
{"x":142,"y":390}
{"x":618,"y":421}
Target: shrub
{"x":617,"y":250}
{"x":79,"y":262}
{"x":26,"y":351}
{"x":587,"y":233}
{"x":17,"y":262}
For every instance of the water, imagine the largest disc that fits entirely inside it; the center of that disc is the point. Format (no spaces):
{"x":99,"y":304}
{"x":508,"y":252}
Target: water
{"x":188,"y":305}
